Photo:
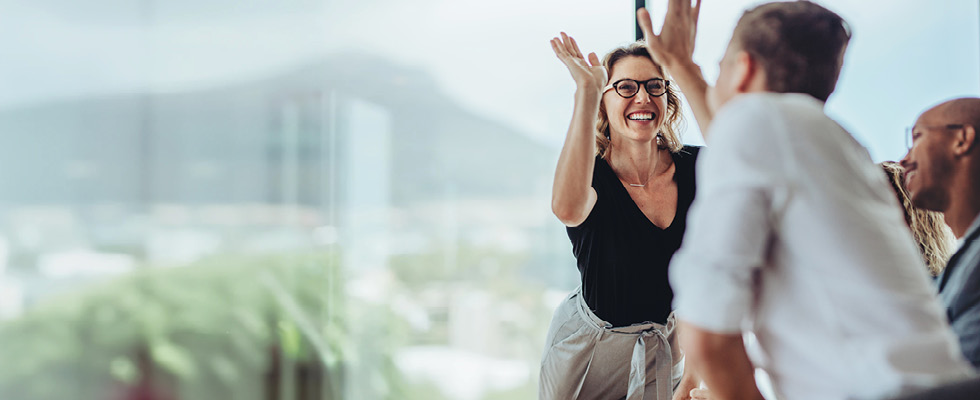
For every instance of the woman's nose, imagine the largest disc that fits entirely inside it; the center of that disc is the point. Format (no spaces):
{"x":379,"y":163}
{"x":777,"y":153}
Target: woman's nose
{"x":642,"y":96}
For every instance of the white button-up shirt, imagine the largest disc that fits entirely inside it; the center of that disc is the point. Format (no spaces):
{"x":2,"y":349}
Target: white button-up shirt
{"x":796,"y":236}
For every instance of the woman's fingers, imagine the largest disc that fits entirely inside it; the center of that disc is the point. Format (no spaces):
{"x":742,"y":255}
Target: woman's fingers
{"x":562,"y":52}
{"x":594,"y":60}
{"x":559,"y":49}
{"x":567,"y":50}
{"x":587,"y":72}
{"x":571,"y":47}
{"x":566,"y":44}
{"x":556,"y":47}
{"x":577,"y":53}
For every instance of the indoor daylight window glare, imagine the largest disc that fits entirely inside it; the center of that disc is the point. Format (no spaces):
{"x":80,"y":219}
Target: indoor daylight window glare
{"x":333,"y":199}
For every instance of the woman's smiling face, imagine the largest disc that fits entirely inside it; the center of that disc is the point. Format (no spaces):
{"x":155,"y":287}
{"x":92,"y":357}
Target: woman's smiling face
{"x":638,"y":117}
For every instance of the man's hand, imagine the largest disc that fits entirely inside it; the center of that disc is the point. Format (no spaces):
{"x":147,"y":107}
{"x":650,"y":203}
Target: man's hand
{"x":673,"y":49}
{"x":688,"y":383}
{"x":674,"y":46}
{"x":700,"y":394}
{"x":720,"y":360}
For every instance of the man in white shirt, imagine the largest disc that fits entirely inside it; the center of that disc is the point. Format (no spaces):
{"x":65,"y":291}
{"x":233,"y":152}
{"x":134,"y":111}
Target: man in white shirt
{"x":795,"y":235}
{"x":943,"y":174}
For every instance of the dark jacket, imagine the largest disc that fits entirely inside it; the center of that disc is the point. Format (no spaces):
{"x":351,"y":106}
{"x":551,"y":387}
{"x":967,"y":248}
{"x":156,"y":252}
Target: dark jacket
{"x":959,"y":290}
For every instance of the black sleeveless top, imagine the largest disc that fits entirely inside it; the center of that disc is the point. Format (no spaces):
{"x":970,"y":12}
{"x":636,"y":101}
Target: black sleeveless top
{"x":622,"y":256}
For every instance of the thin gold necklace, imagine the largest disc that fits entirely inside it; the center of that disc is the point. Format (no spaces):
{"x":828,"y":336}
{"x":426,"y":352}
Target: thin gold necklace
{"x":660,"y":146}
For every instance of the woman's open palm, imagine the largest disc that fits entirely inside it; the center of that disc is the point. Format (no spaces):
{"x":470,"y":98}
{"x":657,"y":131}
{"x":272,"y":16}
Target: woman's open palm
{"x":587,"y":74}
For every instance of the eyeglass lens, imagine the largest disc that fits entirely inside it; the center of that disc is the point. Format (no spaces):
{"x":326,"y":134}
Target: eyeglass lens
{"x":629,"y":87}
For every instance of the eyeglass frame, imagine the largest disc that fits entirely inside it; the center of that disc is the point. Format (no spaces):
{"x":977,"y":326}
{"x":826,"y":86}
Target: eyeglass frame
{"x":909,"y":131}
{"x":639,"y":84}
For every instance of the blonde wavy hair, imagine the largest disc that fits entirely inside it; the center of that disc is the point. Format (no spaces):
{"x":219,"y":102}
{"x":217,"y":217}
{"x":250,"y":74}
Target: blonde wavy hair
{"x":930,"y":231}
{"x":673,"y":120}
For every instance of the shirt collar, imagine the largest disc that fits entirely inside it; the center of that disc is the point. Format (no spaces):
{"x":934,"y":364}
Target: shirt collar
{"x":973,"y":227}
{"x":960,"y":240}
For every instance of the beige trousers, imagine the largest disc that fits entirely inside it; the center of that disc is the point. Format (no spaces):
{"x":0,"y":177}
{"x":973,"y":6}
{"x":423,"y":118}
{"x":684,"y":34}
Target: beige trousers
{"x":587,"y":358}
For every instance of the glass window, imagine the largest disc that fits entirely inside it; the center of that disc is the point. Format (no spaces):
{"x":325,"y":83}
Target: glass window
{"x":937,"y":46}
{"x":311,"y":199}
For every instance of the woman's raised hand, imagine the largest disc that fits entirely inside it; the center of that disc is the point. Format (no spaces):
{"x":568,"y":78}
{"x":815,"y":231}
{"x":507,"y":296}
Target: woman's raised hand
{"x":588,"y":75}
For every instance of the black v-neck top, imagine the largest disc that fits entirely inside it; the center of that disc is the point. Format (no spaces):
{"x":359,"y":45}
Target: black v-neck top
{"x":622,"y":256}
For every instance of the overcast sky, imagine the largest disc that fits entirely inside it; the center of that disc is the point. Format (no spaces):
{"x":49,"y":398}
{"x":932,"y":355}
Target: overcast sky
{"x":493,"y":57}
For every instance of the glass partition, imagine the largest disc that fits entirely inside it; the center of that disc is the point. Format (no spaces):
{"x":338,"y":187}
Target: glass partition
{"x":328,"y":199}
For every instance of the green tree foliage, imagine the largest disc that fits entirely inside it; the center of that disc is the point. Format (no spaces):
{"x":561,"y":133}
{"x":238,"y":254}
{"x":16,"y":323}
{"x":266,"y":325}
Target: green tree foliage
{"x":213,"y":329}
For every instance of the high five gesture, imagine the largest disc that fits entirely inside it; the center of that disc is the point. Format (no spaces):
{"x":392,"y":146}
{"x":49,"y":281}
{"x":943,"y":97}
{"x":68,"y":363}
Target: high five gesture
{"x":674,"y":49}
{"x":674,"y":46}
{"x":588,"y":74}
{"x":572,"y":193}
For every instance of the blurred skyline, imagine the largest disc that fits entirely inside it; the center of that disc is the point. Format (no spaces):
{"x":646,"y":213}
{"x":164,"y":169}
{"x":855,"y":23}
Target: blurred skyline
{"x":493,"y":58}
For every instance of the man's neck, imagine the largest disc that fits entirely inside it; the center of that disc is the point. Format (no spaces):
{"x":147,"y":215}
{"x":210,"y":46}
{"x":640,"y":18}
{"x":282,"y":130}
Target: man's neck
{"x":964,"y":206}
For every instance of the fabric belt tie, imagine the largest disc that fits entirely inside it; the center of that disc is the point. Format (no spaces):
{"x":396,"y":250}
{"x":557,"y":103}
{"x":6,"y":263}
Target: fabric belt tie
{"x":638,"y":366}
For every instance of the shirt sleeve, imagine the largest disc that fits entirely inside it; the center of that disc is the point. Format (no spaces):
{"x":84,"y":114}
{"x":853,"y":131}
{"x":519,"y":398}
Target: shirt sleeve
{"x":729,"y":227}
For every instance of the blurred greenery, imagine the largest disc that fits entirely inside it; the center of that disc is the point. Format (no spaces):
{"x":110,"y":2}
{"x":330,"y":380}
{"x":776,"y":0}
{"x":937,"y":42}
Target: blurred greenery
{"x":211,"y":329}
{"x":262,"y":327}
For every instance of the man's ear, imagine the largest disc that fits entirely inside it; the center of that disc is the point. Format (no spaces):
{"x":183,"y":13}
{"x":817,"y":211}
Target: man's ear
{"x":747,"y":72}
{"x":965,"y":140}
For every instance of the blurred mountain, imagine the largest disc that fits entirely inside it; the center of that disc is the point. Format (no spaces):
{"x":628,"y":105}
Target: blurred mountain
{"x":285,"y":137}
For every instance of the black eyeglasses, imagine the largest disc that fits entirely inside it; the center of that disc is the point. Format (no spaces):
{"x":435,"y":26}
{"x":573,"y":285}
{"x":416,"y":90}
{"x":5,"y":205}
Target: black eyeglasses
{"x":912,"y":133}
{"x":627,"y":88}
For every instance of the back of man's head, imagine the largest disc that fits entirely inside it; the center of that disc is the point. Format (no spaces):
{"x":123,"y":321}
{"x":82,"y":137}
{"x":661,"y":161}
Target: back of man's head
{"x":800,"y":46}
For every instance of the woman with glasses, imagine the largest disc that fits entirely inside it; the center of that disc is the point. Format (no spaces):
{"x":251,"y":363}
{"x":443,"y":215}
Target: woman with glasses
{"x":622,"y":188}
